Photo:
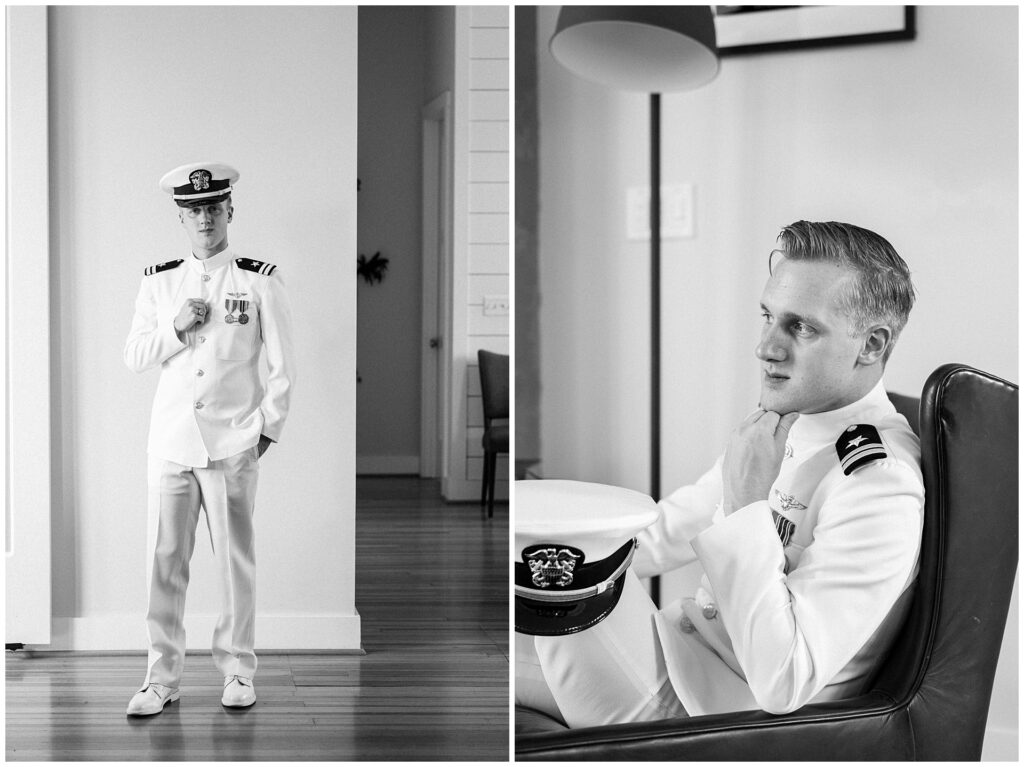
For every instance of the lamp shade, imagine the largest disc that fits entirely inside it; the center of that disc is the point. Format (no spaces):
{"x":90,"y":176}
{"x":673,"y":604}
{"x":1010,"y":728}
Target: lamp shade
{"x":656,"y":49}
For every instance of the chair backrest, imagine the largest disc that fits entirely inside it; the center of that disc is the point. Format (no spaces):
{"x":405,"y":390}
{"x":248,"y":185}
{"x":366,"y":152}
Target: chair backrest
{"x":909,"y":408}
{"x":943,"y":664}
{"x":494,"y":383}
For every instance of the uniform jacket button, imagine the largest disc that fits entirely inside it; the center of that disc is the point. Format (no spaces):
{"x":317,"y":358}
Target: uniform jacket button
{"x":202,"y":339}
{"x":199,"y":372}
{"x":709,"y":611}
{"x":206,"y":278}
{"x":199,"y":406}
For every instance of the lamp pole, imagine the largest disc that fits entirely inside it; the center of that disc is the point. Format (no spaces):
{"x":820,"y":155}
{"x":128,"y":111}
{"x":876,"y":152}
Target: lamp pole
{"x":653,"y":49}
{"x":655,"y":178}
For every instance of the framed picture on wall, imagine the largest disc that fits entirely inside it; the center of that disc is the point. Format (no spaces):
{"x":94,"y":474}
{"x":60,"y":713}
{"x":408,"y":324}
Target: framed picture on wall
{"x":763,"y":28}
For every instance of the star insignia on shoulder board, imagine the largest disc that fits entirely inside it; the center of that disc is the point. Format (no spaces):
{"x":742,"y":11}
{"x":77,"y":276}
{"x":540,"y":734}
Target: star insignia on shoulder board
{"x":858,"y":446}
{"x":162,"y":267}
{"x":252,"y":265}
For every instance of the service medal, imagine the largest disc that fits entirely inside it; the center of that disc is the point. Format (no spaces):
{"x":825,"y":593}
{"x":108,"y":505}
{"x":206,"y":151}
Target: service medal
{"x":231,"y":304}
{"x":243,"y":318}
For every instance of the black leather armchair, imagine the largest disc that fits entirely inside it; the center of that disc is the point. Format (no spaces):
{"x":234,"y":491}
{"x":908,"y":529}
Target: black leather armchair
{"x":930,"y":698}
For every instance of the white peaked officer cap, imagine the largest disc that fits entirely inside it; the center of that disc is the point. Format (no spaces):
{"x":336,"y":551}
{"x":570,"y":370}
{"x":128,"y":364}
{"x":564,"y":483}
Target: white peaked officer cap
{"x":574,"y":542}
{"x":199,"y":183}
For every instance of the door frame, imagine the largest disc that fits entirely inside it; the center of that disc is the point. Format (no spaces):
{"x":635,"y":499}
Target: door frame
{"x":435,"y":369}
{"x":26,"y":333}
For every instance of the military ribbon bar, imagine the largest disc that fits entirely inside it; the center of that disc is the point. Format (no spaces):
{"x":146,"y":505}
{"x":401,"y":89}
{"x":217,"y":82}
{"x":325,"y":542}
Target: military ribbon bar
{"x":784,"y":527}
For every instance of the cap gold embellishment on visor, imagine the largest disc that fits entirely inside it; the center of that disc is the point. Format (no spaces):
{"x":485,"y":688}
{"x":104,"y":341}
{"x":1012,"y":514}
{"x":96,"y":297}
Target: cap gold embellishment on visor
{"x":575,"y":542}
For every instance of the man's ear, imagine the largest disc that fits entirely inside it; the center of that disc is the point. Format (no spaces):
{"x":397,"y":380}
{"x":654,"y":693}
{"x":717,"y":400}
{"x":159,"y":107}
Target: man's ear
{"x":875,"y":345}
{"x":231,"y":212}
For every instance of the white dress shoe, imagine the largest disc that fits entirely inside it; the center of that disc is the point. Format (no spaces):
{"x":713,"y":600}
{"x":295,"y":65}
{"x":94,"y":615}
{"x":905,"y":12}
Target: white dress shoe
{"x":238,"y":692}
{"x":151,"y":699}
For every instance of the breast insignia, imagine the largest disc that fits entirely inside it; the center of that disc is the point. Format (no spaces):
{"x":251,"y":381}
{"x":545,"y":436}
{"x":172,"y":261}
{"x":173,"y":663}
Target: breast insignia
{"x":157,"y":268}
{"x":858,"y":446}
{"x":788,"y":501}
{"x":260,"y":267}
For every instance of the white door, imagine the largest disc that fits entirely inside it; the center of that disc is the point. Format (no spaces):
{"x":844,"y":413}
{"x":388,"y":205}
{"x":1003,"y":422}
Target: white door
{"x":26,"y":326}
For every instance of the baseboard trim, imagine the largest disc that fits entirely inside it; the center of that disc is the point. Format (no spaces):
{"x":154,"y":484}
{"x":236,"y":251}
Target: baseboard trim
{"x":387,"y":464}
{"x":127,"y":632}
{"x":1001,"y":744}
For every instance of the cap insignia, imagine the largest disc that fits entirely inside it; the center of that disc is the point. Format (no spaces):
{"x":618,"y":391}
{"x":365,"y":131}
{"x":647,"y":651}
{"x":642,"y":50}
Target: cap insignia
{"x":200,"y":180}
{"x":553,"y":566}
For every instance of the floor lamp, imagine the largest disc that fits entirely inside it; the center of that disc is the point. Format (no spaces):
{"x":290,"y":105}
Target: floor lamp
{"x":653,"y":49}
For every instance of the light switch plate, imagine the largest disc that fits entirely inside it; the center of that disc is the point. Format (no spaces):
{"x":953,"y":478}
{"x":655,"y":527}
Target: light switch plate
{"x":676,"y":212}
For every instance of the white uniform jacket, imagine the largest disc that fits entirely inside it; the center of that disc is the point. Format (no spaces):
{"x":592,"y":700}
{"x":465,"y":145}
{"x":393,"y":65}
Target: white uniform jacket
{"x":802,"y":593}
{"x":210,"y":402}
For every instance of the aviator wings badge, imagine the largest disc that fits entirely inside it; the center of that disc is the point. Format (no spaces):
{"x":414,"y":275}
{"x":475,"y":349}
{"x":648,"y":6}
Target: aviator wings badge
{"x":788,"y":502}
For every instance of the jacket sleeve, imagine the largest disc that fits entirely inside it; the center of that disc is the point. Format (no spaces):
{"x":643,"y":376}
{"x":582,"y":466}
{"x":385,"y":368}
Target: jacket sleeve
{"x":665,"y":545}
{"x":152,"y":339}
{"x":793,"y":633}
{"x":276,"y":328}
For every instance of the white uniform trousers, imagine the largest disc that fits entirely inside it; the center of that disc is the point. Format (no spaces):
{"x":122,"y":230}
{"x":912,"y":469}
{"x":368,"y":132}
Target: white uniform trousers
{"x":226,"y":491}
{"x":610,"y":673}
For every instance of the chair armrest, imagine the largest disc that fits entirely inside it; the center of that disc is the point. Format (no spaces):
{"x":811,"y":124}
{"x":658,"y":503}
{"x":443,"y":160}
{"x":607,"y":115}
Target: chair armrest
{"x":864,"y":728}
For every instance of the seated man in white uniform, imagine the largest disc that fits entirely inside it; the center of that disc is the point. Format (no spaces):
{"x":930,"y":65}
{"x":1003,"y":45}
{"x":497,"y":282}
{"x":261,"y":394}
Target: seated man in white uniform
{"x":807,"y":528}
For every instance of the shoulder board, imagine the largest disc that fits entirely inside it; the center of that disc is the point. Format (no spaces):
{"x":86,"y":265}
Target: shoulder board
{"x":858,"y":446}
{"x":157,"y":268}
{"x":260,"y":267}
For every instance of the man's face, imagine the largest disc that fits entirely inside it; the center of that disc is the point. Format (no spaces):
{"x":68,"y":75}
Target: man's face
{"x":809,"y":362}
{"x":207,"y":227}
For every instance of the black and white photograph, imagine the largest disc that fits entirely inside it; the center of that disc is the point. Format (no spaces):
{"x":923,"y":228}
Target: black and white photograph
{"x":766,"y":365}
{"x":511,"y":382}
{"x":257,"y":338}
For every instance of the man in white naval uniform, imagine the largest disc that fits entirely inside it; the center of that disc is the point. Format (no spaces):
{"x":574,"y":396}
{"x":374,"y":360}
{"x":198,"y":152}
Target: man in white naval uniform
{"x":204,"y":320}
{"x":807,"y":528}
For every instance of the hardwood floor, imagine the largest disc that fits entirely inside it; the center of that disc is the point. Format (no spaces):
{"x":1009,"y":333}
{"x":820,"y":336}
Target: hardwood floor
{"x":432,"y":590}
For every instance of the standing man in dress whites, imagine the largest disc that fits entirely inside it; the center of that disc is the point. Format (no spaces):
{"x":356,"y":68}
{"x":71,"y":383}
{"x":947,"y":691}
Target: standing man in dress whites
{"x":204,"y":319}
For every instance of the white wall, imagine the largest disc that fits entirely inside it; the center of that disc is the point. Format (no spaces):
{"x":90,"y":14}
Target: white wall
{"x":135,"y":92}
{"x":488,"y":206}
{"x":392,"y":49}
{"x":915,"y":140}
{"x":480,"y":240}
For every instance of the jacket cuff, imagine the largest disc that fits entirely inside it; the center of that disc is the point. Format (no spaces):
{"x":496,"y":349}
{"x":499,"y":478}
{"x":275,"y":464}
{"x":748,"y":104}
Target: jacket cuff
{"x":743,"y":542}
{"x":172,"y":341}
